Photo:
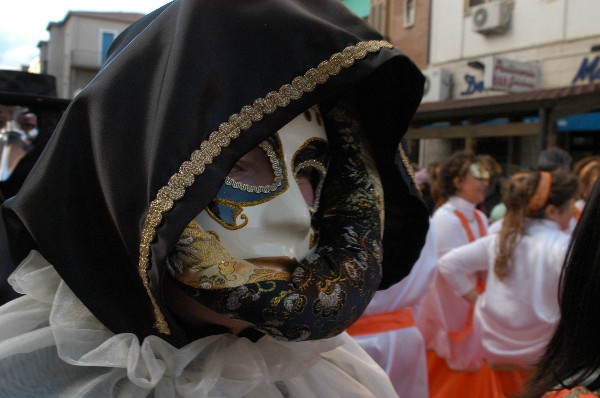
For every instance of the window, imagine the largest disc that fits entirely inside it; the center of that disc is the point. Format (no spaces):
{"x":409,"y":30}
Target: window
{"x":378,"y":16}
{"x":106,"y":39}
{"x":409,"y":13}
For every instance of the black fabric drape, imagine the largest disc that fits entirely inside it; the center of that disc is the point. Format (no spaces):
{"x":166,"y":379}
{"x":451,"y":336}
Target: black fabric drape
{"x":170,"y":80}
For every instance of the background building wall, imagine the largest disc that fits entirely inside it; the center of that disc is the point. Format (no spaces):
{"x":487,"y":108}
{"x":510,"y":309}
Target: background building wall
{"x":561,"y":38}
{"x":74,"y":53}
{"x":413,"y":38}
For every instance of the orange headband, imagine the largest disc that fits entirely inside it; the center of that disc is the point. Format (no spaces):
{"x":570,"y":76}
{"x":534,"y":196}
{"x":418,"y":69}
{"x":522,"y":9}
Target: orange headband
{"x":542,"y":192}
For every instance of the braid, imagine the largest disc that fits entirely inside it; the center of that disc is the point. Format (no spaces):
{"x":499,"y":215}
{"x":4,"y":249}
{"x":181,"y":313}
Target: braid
{"x":517,"y":191}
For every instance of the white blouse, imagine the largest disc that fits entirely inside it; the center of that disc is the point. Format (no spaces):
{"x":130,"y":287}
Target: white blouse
{"x":443,"y":312}
{"x":450,"y":232}
{"x":515,"y":316}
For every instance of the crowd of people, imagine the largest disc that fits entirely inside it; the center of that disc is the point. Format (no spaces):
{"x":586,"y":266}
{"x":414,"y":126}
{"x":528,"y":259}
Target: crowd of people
{"x":189,"y":231}
{"x":492,"y":306}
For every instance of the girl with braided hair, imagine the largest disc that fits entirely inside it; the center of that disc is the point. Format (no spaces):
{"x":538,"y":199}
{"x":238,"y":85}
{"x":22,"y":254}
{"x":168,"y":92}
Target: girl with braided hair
{"x":515,"y":316}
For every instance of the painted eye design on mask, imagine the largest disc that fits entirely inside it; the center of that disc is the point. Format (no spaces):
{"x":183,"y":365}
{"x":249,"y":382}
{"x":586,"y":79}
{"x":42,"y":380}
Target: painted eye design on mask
{"x":256,"y":178}
{"x":310,"y":168}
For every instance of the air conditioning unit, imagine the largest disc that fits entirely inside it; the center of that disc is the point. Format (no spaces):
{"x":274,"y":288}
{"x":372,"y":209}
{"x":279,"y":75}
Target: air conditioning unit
{"x":490,"y":18}
{"x":438,"y":85}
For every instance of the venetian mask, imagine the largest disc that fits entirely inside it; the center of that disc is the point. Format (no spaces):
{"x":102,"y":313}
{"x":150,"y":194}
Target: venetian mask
{"x":263,"y":211}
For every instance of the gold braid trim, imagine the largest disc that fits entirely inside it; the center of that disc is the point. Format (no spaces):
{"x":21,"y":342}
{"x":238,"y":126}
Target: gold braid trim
{"x":221,"y":138}
{"x":409,"y":169}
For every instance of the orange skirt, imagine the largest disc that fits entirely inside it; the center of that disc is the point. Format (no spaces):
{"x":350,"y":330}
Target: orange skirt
{"x":482,"y":383}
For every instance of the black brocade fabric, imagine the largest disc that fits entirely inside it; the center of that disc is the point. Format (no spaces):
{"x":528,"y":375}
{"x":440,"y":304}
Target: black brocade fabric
{"x":170,"y":81}
{"x":331,"y":288}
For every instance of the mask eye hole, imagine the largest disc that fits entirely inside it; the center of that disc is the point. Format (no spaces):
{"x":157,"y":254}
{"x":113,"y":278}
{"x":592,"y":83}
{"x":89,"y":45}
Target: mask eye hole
{"x":258,"y":171}
{"x":310,"y":169}
{"x":310,"y":176}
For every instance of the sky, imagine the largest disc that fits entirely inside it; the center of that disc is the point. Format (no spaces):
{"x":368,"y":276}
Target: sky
{"x":24,"y":23}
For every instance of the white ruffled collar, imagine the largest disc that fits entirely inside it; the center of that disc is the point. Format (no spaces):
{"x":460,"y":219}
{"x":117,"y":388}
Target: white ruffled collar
{"x":237,"y":365}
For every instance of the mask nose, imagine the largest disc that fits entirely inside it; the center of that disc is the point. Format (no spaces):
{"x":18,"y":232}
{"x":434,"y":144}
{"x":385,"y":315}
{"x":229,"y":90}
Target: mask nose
{"x":290,"y":219}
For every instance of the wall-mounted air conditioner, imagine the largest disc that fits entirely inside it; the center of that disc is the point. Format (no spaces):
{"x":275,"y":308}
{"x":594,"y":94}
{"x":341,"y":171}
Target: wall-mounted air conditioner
{"x":438,"y":85}
{"x":491,"y":18}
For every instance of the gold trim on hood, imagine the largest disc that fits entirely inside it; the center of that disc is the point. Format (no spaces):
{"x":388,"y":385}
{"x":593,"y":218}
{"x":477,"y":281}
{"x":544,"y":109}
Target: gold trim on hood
{"x":209,"y":149}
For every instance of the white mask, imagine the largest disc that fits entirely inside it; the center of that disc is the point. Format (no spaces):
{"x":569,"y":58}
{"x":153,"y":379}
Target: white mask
{"x":265,"y":207}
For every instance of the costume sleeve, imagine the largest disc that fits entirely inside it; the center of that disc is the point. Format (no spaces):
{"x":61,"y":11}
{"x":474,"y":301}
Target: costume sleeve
{"x":330,"y":289}
{"x":457,"y":265}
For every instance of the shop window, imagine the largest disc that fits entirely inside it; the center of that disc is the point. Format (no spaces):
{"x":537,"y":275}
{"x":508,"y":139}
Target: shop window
{"x":409,"y":13}
{"x":378,"y":16}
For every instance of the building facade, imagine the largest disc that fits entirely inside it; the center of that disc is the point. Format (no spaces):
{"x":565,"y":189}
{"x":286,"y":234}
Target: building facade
{"x":504,"y":77}
{"x":541,"y":56}
{"x":77,"y":47}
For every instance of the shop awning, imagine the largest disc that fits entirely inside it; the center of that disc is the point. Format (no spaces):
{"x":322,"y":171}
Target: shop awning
{"x":580,"y":122}
{"x":539,"y":112}
{"x":562,"y":101}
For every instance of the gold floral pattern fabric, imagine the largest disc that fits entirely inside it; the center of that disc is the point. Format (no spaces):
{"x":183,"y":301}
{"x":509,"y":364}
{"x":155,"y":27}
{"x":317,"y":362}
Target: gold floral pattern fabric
{"x":199,"y":260}
{"x":330,"y":289}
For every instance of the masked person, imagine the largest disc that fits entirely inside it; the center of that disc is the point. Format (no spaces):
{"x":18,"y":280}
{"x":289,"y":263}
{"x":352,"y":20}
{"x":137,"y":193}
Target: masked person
{"x":215,"y":208}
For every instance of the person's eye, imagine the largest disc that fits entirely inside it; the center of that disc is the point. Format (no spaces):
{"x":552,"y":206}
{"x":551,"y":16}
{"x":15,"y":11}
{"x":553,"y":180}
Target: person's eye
{"x":311,"y":174}
{"x":255,"y":168}
{"x":310,"y":167}
{"x":237,"y":171}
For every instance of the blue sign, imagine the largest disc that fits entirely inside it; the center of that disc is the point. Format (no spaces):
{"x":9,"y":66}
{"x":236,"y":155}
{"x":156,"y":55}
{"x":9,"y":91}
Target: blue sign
{"x":588,"y":70}
{"x":473,"y":86}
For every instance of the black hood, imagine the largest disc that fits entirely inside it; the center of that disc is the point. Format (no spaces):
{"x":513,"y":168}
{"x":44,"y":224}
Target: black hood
{"x":185,"y":92}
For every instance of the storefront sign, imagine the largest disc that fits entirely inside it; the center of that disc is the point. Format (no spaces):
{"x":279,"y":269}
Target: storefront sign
{"x":588,"y":70}
{"x":507,"y":75}
{"x":473,"y":86}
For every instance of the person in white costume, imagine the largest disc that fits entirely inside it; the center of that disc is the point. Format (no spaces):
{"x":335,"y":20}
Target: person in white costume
{"x":387,"y":329}
{"x":215,"y":209}
{"x":463,"y":180}
{"x":517,"y":312}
